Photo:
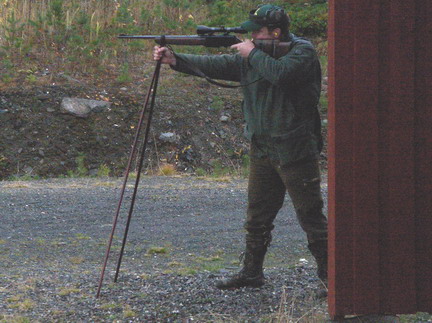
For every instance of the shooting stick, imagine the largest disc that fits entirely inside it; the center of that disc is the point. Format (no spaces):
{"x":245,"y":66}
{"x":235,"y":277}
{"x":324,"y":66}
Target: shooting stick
{"x":151,"y":92}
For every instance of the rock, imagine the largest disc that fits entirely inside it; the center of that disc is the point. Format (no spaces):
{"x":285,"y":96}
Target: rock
{"x":82,"y":107}
{"x":224,"y":118}
{"x":50,"y":110}
{"x":168,"y":137}
{"x":43,"y":97}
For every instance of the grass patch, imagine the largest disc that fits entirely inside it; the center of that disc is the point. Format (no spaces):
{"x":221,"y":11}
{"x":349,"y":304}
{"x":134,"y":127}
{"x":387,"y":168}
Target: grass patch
{"x":103,"y":171}
{"x":14,"y":299}
{"x":25,"y":305}
{"x":81,"y":236}
{"x":167,"y":170}
{"x":200,"y":172}
{"x":175,"y":264}
{"x":157,"y":250}
{"x":14,"y":319}
{"x":128,"y":312}
{"x":68,"y":291}
{"x":76,"y":260}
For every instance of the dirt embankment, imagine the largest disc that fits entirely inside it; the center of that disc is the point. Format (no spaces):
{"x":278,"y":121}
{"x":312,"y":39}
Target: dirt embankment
{"x":38,"y":139}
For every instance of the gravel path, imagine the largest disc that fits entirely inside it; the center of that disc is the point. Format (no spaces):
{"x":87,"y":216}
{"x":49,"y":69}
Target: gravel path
{"x":185,"y":234}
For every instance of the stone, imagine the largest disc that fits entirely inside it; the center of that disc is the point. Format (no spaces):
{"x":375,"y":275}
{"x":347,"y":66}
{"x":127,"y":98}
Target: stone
{"x":168,"y":137}
{"x":224,"y":118}
{"x":82,"y":107}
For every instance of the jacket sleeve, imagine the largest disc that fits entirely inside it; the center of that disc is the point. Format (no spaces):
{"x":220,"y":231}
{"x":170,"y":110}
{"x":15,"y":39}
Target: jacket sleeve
{"x":293,"y":67}
{"x":222,"y":67}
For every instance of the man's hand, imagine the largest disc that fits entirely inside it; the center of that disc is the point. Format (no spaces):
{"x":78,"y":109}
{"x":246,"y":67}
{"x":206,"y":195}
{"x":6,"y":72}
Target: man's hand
{"x":165,"y":54}
{"x":244,"y":48}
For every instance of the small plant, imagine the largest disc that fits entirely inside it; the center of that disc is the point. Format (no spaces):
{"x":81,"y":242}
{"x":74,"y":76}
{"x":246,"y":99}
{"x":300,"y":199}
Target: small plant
{"x":167,"y":170}
{"x":175,"y":264}
{"x":128,"y":312}
{"x":80,"y":170}
{"x":103,"y":171}
{"x":81,"y":236}
{"x":68,"y":291}
{"x":217,"y":104}
{"x":31,"y":78}
{"x":25,"y":305}
{"x":156,"y":250}
{"x":124,"y":76}
{"x":218,"y":169}
{"x":200,"y":172}
{"x":76,"y":260}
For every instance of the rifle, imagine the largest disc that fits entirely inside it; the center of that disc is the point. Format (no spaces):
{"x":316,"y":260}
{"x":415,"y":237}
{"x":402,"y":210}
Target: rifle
{"x":210,"y":37}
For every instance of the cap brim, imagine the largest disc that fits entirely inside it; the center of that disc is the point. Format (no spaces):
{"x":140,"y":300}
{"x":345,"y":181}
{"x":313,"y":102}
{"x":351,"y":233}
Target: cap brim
{"x":251,"y":26}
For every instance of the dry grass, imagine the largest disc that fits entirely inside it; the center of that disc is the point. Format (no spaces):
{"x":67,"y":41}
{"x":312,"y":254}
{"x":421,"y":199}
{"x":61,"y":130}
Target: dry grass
{"x":167,"y":170}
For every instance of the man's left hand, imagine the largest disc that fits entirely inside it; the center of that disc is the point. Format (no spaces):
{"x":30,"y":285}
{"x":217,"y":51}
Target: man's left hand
{"x":244,"y":48}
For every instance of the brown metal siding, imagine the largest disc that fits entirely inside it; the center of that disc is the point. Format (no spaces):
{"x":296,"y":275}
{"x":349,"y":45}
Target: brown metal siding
{"x":380,"y":156}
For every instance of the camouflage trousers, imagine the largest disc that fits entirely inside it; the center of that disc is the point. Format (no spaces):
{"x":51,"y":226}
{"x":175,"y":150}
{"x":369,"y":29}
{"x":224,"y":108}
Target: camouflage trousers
{"x":268,"y":183}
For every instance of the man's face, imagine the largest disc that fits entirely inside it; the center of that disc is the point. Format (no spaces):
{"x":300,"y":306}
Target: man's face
{"x":264,"y":33}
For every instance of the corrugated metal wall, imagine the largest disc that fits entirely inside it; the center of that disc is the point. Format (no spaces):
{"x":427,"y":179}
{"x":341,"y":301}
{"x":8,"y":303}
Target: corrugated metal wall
{"x":380,"y":156}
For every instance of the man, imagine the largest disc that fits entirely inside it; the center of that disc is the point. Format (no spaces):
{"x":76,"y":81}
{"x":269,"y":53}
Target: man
{"x":280,"y":108}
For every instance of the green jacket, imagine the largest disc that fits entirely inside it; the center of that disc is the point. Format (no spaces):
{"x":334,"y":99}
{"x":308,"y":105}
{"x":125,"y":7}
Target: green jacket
{"x":280,"y":109}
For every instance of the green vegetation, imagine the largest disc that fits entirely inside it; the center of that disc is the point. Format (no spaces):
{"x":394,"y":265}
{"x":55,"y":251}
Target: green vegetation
{"x":68,"y":291}
{"x":80,"y":170}
{"x":103,"y":171}
{"x":81,"y":35}
{"x":157,"y":250}
{"x":418,"y":317}
{"x":128,"y":312}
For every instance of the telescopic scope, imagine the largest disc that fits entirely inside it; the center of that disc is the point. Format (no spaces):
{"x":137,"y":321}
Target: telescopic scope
{"x":204,"y":30}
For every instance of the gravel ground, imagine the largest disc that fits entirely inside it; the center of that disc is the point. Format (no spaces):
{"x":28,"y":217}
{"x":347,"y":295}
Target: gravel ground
{"x":185,"y":233}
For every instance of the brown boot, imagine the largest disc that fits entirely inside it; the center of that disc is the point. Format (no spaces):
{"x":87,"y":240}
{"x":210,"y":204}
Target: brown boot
{"x":251,"y":275}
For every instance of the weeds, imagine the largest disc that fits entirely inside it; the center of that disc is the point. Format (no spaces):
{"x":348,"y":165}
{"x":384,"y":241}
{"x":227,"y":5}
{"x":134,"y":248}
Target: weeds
{"x":68,"y":291}
{"x":128,"y":312}
{"x":103,"y":171}
{"x":81,"y":170}
{"x":157,"y":250}
{"x":167,"y":170}
{"x":81,"y":34}
{"x":76,"y":260}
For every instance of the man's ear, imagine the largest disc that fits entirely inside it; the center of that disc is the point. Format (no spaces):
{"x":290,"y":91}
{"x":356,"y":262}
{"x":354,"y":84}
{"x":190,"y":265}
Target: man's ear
{"x":276,"y":33}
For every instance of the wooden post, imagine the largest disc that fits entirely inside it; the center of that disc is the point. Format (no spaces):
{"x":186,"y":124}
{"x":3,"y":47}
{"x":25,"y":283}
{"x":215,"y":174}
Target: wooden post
{"x":380,"y":157}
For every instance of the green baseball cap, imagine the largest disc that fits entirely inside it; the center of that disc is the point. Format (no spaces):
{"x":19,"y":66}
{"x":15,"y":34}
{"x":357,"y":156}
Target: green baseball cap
{"x":265,"y":16}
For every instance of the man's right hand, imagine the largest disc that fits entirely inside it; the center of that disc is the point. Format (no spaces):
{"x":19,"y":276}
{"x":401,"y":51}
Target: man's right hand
{"x":165,"y":54}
